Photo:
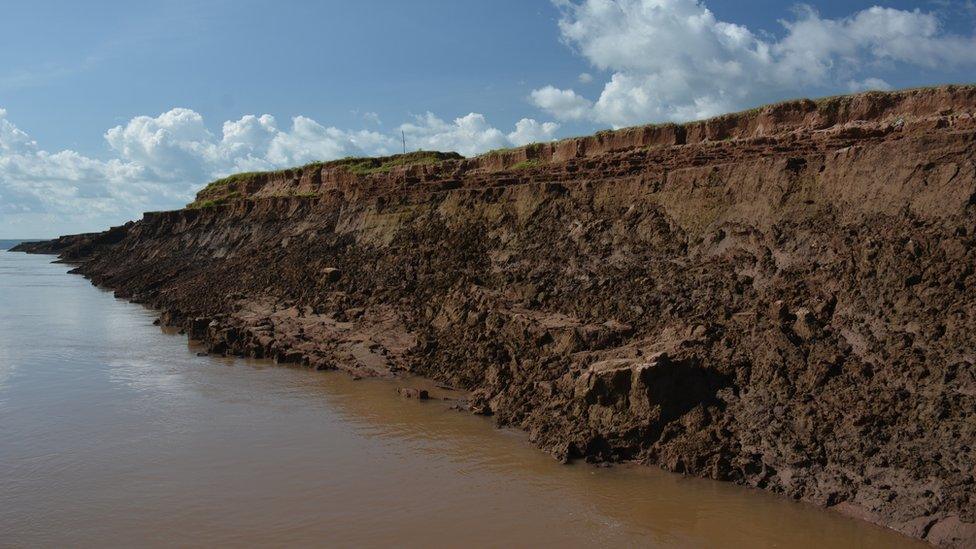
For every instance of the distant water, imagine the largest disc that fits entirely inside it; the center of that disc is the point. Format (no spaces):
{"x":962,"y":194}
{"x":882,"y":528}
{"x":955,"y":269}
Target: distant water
{"x":115,"y":433}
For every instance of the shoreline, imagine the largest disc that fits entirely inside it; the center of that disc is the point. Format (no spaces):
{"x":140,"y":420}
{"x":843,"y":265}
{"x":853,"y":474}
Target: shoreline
{"x":437,"y":391}
{"x":787,"y":309}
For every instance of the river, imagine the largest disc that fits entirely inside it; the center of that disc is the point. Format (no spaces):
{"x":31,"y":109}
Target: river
{"x":113,"y":432}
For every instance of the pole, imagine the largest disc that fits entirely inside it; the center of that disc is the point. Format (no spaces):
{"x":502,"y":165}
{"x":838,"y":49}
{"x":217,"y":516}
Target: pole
{"x":403,"y":138}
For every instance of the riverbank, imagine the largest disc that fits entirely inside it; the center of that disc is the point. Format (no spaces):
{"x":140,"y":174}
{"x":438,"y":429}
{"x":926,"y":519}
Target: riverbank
{"x":114,"y":432}
{"x":779,"y":298}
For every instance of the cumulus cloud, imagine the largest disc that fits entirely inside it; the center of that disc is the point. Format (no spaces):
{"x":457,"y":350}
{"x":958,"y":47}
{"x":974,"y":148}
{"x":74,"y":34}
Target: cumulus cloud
{"x":468,"y":135}
{"x":307,"y":141}
{"x":12,"y":139}
{"x":159,"y":162}
{"x":564,"y":104}
{"x":372,"y":118}
{"x":868,"y":84}
{"x":674,"y":60}
{"x":38,"y":187}
{"x":528,"y":131}
{"x":172,"y":144}
{"x":177,"y":144}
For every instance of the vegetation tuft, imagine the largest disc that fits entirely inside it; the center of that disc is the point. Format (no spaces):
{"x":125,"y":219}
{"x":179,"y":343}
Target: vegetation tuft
{"x":245,"y":177}
{"x":228,"y":188}
{"x":530,"y":149}
{"x":210,"y":202}
{"x":368,"y":166}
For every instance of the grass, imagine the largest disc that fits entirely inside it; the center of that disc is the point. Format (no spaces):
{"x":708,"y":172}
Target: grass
{"x":528,"y":164}
{"x":494,"y":152}
{"x":368,"y":166}
{"x":201,"y":204}
{"x":532,"y":148}
{"x":356,"y":165}
{"x":213,"y":202}
{"x":220,"y":191}
{"x":244,"y":177}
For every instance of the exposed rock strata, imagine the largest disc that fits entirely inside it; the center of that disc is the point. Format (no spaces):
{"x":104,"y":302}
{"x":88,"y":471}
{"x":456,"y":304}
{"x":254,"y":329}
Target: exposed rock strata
{"x":782,"y":298}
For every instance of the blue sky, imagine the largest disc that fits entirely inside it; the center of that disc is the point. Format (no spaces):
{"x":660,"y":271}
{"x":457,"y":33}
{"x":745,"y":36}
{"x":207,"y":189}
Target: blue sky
{"x":111,"y":108}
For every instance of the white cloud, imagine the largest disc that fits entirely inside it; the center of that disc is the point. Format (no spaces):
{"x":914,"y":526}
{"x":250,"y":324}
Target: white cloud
{"x":174,"y":144}
{"x":528,"y":131}
{"x":468,"y":135}
{"x":38,"y":187}
{"x":372,"y":118}
{"x":159,"y":162}
{"x":12,"y":139}
{"x":307,"y":141}
{"x":585,"y":78}
{"x":563,"y":104}
{"x":674,"y":60}
{"x":874,"y":84}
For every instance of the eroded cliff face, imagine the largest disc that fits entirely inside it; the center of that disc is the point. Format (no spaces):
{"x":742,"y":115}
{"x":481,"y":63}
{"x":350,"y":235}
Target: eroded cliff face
{"x":782,"y":298}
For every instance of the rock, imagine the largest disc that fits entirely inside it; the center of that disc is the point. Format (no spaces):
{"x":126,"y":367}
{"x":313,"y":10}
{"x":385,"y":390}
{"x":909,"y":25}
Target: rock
{"x":330,"y":274}
{"x":779,"y":312}
{"x":289,"y":357}
{"x":408,"y":392}
{"x":805,"y":324}
{"x":198,"y":328}
{"x":952,"y":532}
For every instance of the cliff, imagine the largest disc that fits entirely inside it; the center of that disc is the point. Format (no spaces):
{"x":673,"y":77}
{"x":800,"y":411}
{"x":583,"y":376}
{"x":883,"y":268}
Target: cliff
{"x":782,"y":298}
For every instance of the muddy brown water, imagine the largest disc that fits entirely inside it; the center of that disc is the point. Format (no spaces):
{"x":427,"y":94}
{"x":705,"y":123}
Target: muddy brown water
{"x":114,"y":433}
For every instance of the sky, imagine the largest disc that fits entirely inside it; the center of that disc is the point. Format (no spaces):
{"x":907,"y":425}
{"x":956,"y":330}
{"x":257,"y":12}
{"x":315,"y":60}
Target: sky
{"x":109,"y":109}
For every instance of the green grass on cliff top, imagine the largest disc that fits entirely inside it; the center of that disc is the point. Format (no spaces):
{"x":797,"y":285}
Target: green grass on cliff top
{"x":247,"y":176}
{"x":216,"y":193}
{"x":356,"y":165}
{"x":366,"y":166}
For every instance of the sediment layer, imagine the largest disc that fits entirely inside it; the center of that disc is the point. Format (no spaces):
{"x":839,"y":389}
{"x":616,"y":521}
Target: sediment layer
{"x":782,"y":298}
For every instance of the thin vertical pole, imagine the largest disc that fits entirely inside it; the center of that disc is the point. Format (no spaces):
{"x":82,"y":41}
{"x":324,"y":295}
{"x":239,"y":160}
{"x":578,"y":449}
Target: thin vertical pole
{"x":404,"y":139}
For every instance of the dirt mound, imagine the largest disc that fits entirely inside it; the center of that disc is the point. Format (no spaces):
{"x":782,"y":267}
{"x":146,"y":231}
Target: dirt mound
{"x":781,"y":298}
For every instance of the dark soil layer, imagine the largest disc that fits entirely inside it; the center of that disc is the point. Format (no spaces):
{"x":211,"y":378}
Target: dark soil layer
{"x":782,"y":298}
